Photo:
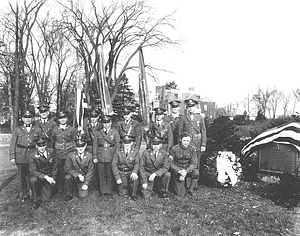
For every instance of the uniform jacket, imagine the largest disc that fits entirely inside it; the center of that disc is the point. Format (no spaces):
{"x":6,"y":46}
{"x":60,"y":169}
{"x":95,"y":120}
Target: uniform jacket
{"x":183,"y":158}
{"x":106,"y":145}
{"x":75,"y":166}
{"x":39,"y":165}
{"x":133,"y":128}
{"x":22,"y":145}
{"x":46,"y":128}
{"x":63,"y":141}
{"x":164,"y":131}
{"x":150,"y":164}
{"x":176,"y":125}
{"x":128,"y":163}
{"x":196,"y":128}
{"x":90,"y":131}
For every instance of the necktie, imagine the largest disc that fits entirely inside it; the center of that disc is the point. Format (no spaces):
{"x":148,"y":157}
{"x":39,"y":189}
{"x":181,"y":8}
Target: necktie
{"x":28,"y":126}
{"x":105,"y":131}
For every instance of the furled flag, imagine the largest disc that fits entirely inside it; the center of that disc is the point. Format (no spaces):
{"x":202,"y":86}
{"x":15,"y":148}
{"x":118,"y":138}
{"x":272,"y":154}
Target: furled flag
{"x":284,"y":134}
{"x":103,"y":87}
{"x":143,"y":91}
{"x":81,"y":102}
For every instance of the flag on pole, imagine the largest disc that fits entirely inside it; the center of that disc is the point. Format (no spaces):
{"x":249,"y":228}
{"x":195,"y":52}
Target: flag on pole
{"x":81,"y":102}
{"x":143,"y":91}
{"x":284,"y":134}
{"x":103,"y":87}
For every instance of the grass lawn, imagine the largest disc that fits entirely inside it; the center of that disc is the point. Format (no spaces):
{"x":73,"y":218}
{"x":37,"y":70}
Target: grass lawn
{"x":248,"y":209}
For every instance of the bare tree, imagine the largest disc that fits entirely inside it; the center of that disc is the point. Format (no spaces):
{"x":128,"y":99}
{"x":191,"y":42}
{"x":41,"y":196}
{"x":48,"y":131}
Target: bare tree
{"x":296,"y":99}
{"x":121,"y":28}
{"x":262,"y":99}
{"x":285,"y":103}
{"x":274,"y":100}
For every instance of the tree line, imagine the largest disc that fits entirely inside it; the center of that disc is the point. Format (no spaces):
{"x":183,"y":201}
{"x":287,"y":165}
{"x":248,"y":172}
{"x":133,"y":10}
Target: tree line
{"x":46,"y":45}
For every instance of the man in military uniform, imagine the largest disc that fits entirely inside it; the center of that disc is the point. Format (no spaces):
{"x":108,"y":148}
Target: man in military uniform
{"x":154,"y":166}
{"x":43,"y":172}
{"x":78,"y":170}
{"x":184,"y":166}
{"x":106,"y":143}
{"x":162,"y":129}
{"x":21,"y":146}
{"x":62,"y":140}
{"x":175,"y":120}
{"x":44,"y":123}
{"x":130,"y":127}
{"x":195,"y":125}
{"x":125,"y":168}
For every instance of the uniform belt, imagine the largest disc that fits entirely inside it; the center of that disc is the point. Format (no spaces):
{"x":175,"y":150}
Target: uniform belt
{"x":125,"y":169}
{"x":106,"y":145}
{"x":63,"y":146}
{"x":196,"y":136}
{"x":26,"y":147}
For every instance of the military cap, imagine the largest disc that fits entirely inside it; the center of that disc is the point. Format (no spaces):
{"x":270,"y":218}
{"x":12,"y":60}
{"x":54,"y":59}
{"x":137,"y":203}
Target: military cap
{"x":94,"y":113}
{"x":156,"y":140}
{"x":175,"y":103}
{"x":62,"y":114}
{"x":159,"y":111}
{"x":190,"y":102}
{"x":126,"y":111}
{"x":185,"y":134}
{"x":106,"y":119}
{"x":80,"y":142}
{"x":40,"y":142}
{"x":127,"y":139}
{"x":43,"y":108}
{"x":28,"y":114}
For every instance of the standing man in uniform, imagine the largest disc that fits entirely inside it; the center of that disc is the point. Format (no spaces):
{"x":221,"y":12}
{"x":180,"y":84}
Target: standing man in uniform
{"x":21,"y":146}
{"x":62,"y":140}
{"x":194,"y":124}
{"x":175,"y":120}
{"x":125,"y":167}
{"x":78,"y":170}
{"x":162,"y":129}
{"x":154,"y":166}
{"x":45,"y":124}
{"x":184,"y":166}
{"x":106,"y":143}
{"x":130,"y":127}
{"x":43,"y":172}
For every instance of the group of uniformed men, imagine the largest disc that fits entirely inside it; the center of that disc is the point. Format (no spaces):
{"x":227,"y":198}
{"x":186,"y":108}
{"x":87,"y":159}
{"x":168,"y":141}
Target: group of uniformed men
{"x":52,"y":156}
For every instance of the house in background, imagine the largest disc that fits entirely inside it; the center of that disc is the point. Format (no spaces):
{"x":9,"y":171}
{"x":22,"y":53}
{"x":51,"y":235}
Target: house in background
{"x":206,"y":107}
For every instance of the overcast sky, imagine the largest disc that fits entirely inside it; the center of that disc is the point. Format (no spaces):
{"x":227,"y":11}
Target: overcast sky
{"x":232,"y":47}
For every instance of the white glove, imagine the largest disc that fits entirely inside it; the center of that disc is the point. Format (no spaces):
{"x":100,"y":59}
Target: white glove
{"x":84,"y":187}
{"x":95,"y":160}
{"x":13,"y":161}
{"x":144,"y":186}
{"x":49,"y":179}
{"x":134,"y":176}
{"x":119,"y":181}
{"x":202,"y":149}
{"x":81,"y":177}
{"x":152,"y":177}
{"x":181,"y":178}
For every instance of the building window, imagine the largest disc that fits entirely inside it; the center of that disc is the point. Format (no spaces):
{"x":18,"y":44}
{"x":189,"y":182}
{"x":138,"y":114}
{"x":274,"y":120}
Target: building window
{"x":205,"y":107}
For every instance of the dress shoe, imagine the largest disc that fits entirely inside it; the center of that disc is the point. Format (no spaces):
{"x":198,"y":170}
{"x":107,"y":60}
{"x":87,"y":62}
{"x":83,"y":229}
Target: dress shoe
{"x":134,"y":198}
{"x":68,"y":198}
{"x":165,"y":195}
{"x":36,"y":205}
{"x":189,"y":192}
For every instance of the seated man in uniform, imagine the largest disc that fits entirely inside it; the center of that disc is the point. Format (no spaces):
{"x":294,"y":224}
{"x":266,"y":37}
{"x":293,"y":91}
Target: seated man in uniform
{"x":43,"y":172}
{"x":125,"y":167}
{"x":184,"y":166}
{"x":78,"y":170}
{"x":154,"y":166}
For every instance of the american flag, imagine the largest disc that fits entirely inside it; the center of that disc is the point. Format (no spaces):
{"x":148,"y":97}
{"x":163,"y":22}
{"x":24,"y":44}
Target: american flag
{"x":284,"y":134}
